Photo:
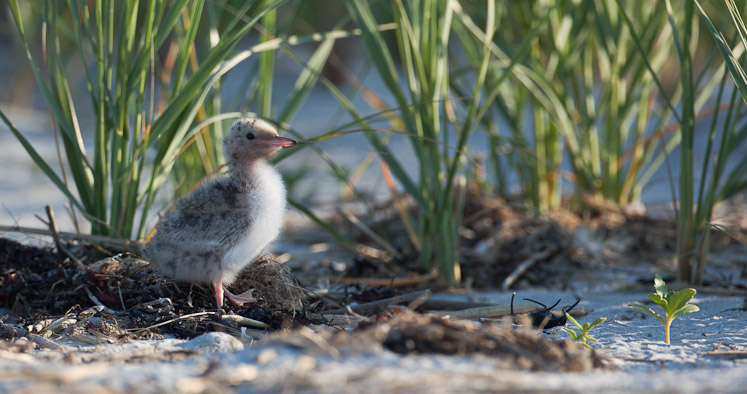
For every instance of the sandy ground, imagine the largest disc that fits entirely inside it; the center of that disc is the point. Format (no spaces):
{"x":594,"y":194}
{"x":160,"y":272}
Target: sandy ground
{"x":213,"y":362}
{"x":218,"y":362}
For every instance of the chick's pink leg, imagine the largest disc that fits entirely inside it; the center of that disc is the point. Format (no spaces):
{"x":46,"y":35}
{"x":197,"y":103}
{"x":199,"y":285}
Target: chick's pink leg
{"x":240,"y":299}
{"x":218,"y":289}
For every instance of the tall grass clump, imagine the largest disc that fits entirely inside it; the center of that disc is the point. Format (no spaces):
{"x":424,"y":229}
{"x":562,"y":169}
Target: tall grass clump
{"x":608,"y":95}
{"x":421,"y":94}
{"x":581,"y":107}
{"x":523,"y":125}
{"x":599,"y":94}
{"x":508,"y":84}
{"x":701,"y":94}
{"x":137,"y":133}
{"x":723,"y":172}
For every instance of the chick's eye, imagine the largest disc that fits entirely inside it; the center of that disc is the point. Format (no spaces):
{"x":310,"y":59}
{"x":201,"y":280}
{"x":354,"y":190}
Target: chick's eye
{"x":249,"y":136}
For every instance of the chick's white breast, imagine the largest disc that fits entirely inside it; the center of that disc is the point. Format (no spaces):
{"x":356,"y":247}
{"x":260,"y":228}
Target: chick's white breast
{"x":266,"y":216}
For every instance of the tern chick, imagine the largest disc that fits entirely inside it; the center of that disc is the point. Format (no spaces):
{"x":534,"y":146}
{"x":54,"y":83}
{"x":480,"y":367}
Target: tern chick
{"x":224,"y":224}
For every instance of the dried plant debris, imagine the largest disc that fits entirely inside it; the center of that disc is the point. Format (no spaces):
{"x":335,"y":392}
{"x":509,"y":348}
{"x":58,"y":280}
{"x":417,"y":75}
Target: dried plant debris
{"x":407,"y":332}
{"x":273,"y":283}
{"x":523,"y":349}
{"x":122,"y":297}
{"x":497,"y":237}
{"x":26,"y":269}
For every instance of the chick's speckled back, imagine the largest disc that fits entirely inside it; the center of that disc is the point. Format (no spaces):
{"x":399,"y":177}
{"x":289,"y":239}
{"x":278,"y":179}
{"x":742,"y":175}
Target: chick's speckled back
{"x":191,"y":240}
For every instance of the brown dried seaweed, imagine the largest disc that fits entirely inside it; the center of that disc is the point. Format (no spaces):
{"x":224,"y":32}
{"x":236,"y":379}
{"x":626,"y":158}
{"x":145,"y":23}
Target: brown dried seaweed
{"x":122,"y":297}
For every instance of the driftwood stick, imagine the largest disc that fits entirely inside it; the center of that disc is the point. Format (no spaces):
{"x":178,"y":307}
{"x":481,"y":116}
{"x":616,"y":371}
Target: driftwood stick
{"x":448,"y":305}
{"x":12,"y":332}
{"x":729,"y":354}
{"x":58,"y":325}
{"x":53,"y":227}
{"x":374,"y":306}
{"x":415,"y":304}
{"x":47,"y":343}
{"x":337,"y":319}
{"x":487,"y":311}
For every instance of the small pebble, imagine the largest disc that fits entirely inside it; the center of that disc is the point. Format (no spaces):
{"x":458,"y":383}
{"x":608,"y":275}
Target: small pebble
{"x":266,"y":356}
{"x":213,"y":342}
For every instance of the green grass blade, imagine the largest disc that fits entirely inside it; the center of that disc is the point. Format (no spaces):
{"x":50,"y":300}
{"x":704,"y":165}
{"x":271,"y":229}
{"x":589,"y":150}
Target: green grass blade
{"x":341,"y":238}
{"x":732,"y":64}
{"x":39,"y":161}
{"x":307,"y":80}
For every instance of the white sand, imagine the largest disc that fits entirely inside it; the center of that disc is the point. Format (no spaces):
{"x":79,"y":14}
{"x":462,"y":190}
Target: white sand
{"x":644,"y":362}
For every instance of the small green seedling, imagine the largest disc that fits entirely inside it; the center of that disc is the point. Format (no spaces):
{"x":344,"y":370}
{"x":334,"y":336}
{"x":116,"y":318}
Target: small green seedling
{"x":675,"y":303}
{"x":584,"y":335}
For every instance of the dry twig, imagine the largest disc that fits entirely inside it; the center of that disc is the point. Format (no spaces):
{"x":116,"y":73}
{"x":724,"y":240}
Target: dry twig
{"x":123,"y":244}
{"x":56,"y":237}
{"x":172,"y":320}
{"x":396,"y":282}
{"x":525,"y":265}
{"x":375,"y":306}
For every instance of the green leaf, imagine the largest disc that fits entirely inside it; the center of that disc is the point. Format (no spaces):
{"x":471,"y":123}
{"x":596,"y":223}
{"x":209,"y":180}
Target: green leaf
{"x":571,"y":333}
{"x":658,"y":300}
{"x":572,"y":320}
{"x":685,"y":309}
{"x":679,"y":299}
{"x":582,"y":336}
{"x":660,"y":286}
{"x":597,"y":322}
{"x":650,"y":311}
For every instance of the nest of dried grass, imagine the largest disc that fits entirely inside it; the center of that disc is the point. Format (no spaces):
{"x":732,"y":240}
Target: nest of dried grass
{"x":122,"y":297}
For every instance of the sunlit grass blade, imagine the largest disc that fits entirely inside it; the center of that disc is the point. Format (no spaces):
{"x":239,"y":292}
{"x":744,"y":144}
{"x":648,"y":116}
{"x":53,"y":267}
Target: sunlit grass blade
{"x":323,"y":224}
